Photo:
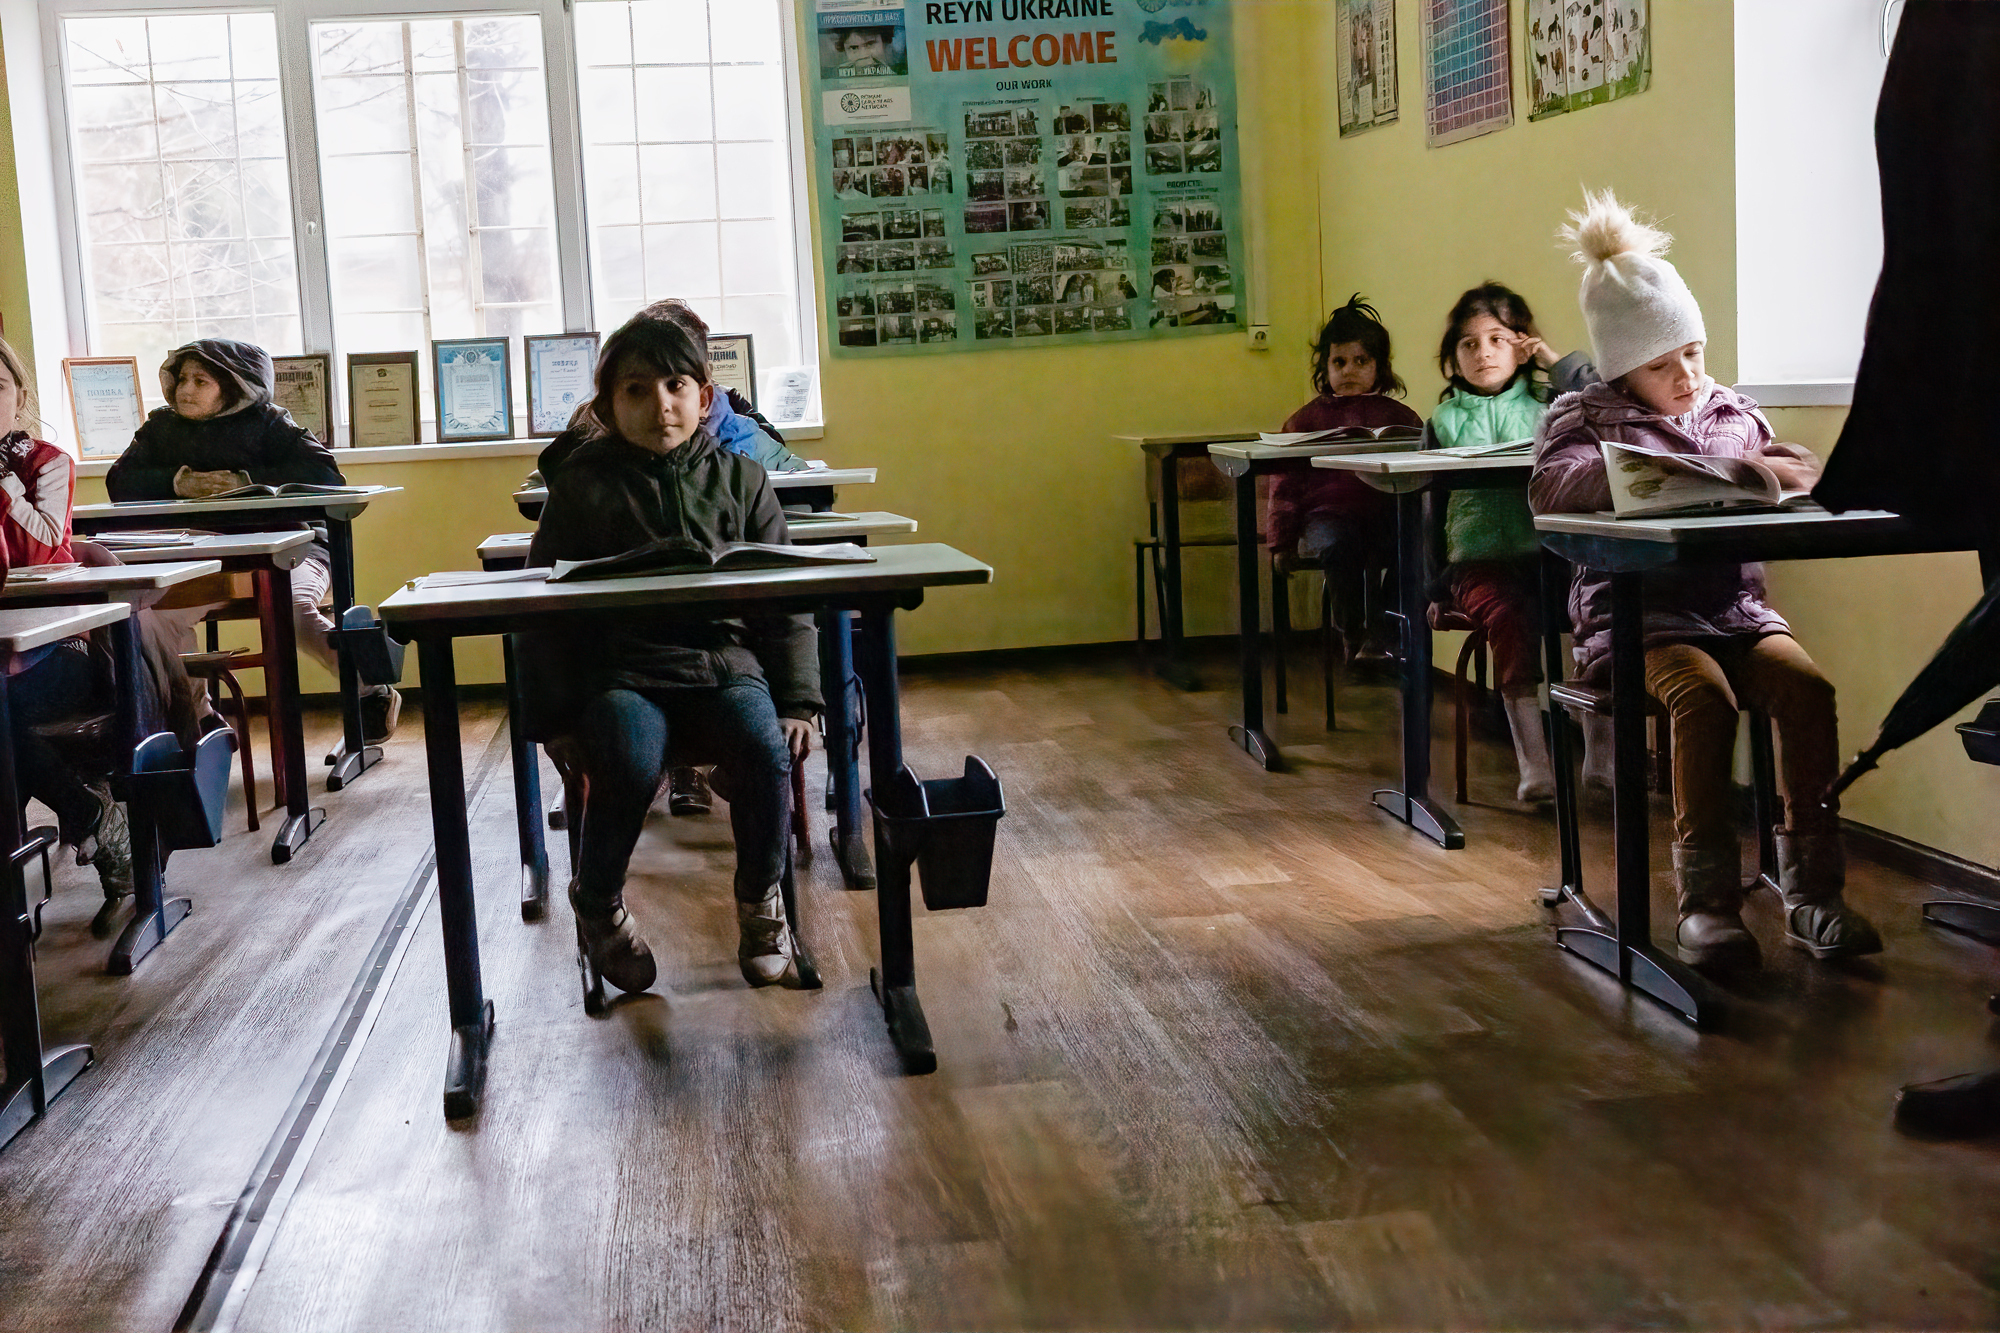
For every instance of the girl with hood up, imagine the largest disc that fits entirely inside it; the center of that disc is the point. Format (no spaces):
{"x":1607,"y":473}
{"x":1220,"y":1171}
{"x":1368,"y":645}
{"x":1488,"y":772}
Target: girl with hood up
{"x":1712,"y":642}
{"x":220,"y":430}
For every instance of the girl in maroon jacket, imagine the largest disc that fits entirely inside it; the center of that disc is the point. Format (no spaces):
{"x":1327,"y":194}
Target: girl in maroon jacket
{"x":1336,"y":518}
{"x":1712,"y":641}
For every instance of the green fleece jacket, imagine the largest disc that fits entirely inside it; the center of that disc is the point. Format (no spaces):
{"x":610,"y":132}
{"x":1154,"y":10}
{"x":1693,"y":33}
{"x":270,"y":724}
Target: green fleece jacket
{"x":1488,"y":524}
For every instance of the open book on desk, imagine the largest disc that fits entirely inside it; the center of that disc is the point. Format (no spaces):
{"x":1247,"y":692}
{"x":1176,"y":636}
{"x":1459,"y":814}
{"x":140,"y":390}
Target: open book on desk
{"x":1651,"y":483}
{"x":128,"y":541}
{"x":23,"y":576}
{"x":672,"y":555}
{"x":1364,"y":436}
{"x":259,"y":491}
{"x":1503,"y":449}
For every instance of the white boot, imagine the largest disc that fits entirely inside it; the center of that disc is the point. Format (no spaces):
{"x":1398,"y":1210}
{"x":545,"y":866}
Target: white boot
{"x":1531,"y":749}
{"x":1599,"y":753}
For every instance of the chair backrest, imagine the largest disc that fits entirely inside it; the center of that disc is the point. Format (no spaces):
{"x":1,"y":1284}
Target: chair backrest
{"x":1198,"y":479}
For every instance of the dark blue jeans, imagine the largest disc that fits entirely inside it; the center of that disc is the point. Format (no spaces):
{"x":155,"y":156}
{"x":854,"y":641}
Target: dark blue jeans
{"x":61,"y":685}
{"x":626,"y":737}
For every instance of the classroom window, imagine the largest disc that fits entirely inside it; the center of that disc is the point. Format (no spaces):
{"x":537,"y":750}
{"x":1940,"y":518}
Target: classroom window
{"x":687,"y":164}
{"x":183,"y":209}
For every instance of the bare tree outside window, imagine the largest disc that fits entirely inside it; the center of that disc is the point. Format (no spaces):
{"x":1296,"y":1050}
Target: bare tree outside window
{"x":435,"y":170}
{"x":184,"y":200}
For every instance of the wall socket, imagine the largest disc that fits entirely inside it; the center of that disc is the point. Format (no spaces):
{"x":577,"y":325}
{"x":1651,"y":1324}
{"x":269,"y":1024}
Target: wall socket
{"x":1259,"y":336}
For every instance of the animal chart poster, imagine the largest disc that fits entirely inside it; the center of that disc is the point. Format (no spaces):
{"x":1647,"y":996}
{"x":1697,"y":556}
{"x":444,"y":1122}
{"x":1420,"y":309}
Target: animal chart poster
{"x":1000,"y":173}
{"x":1583,"y":52}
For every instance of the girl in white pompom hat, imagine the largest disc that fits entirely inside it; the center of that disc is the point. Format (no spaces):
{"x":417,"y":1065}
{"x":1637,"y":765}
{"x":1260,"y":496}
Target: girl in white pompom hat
{"x":1712,"y":641}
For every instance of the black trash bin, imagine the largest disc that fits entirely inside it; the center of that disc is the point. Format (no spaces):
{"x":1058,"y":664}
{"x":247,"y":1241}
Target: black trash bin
{"x":377,"y":658}
{"x":184,"y":794}
{"x":946,"y":826}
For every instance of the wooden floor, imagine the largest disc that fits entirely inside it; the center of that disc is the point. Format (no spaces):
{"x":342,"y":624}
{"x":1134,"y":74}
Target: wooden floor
{"x":1227,"y":1050}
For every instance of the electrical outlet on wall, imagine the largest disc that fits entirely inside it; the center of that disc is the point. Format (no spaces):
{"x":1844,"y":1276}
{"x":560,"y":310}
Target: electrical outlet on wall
{"x":1259,"y":336}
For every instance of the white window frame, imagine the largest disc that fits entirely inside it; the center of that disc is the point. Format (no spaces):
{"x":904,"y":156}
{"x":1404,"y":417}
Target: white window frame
{"x":32,"y":33}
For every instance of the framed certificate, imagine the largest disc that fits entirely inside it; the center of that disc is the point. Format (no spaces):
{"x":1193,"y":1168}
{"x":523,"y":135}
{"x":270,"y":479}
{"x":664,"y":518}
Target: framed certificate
{"x":562,"y":374}
{"x":732,"y":364}
{"x":304,"y":387}
{"x":382,"y":400}
{"x":104,"y":401}
{"x":475,"y":394}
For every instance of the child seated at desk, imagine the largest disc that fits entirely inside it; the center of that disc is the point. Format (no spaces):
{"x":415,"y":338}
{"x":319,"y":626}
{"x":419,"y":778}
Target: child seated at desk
{"x":220,"y":430}
{"x":1712,"y":642}
{"x":1500,"y":376}
{"x":1336,"y":518}
{"x":741,"y":692}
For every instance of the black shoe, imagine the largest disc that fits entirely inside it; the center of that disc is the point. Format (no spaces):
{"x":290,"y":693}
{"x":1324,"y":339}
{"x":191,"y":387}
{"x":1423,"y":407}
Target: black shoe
{"x":1964,"y":1107}
{"x":379,"y":712}
{"x":687,"y":792}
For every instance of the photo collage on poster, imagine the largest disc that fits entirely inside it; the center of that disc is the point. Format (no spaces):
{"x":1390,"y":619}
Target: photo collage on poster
{"x":1183,"y":129}
{"x":1189,"y":279}
{"x":1036,"y":289}
{"x":896,"y":265}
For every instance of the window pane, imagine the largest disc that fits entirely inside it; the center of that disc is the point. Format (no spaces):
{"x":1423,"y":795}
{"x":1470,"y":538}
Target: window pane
{"x":712,"y":193}
{"x":474,"y":192}
{"x":182,"y":182}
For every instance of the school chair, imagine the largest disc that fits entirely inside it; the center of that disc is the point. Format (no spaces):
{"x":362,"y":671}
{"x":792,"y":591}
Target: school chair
{"x":1332,"y":648}
{"x":1196,"y":479}
{"x":1469,"y":675}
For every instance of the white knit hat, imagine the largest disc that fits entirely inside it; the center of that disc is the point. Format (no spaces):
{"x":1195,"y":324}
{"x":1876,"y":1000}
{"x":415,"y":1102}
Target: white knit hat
{"x":1634,"y":302}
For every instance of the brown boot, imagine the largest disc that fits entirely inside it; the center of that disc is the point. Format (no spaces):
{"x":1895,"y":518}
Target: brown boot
{"x":1812,"y":872}
{"x":614,"y":946}
{"x":1711,"y":935}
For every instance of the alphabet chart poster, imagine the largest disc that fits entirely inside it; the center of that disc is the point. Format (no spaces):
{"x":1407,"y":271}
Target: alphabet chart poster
{"x":1469,"y":79}
{"x":993,"y":173}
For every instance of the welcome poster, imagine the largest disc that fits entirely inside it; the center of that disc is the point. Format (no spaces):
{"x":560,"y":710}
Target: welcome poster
{"x":997,"y":173}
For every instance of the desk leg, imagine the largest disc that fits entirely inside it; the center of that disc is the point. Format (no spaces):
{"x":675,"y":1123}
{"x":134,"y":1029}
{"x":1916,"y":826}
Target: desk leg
{"x":352,"y":756}
{"x":1629,"y":954}
{"x":1249,"y":629}
{"x":1552,"y":571}
{"x":281,"y":690}
{"x":34,"y":1074}
{"x":471,"y":1011}
{"x":895,"y":983}
{"x":1413,"y":804}
{"x":527,"y":796}
{"x":843,"y":747}
{"x":153,"y":915}
{"x":1173,"y":664}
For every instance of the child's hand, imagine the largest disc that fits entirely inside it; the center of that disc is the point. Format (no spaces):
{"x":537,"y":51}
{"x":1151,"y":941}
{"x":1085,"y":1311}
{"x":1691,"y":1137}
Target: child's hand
{"x":1534,"y":349}
{"x":192,"y":485}
{"x":798,"y":737}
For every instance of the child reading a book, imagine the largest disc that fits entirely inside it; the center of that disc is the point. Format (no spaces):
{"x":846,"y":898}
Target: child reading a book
{"x":1712,"y":642}
{"x":220,"y":430}
{"x":1499,"y":377}
{"x":1335,"y":518}
{"x":740,"y":693}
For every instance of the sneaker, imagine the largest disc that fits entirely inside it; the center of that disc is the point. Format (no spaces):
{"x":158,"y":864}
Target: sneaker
{"x":764,"y":941}
{"x":687,"y":792}
{"x":379,"y":712}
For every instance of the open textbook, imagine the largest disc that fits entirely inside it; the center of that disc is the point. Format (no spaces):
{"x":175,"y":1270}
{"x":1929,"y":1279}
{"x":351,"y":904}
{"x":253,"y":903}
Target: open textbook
{"x":259,"y":491}
{"x":1366,"y":436}
{"x":1651,"y":483}
{"x":672,"y":555}
{"x":1501,"y":449}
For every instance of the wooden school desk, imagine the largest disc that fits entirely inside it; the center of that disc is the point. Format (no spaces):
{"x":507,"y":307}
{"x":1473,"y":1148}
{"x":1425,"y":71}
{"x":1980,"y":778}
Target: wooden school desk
{"x":809,"y":489}
{"x":1243,"y":463}
{"x":335,"y":513}
{"x":34,"y":1074}
{"x":434,"y":617}
{"x":1421,"y":481}
{"x":271,"y":557}
{"x":1627,"y":549}
{"x":1167,"y":451}
{"x":509,"y":550}
{"x":153,"y":917}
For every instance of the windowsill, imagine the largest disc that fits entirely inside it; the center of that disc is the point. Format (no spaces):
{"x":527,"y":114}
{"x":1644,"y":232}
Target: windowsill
{"x":1801,"y":393}
{"x":98,"y":465}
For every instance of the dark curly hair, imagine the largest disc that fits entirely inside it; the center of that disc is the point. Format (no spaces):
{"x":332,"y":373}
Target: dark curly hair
{"x":1355,"y":322}
{"x":646,"y":342}
{"x":1504,"y":304}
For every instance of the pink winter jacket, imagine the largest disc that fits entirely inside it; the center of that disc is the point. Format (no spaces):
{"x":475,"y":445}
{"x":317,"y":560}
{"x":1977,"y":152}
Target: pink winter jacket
{"x":1305,"y":492}
{"x":1682,"y":603}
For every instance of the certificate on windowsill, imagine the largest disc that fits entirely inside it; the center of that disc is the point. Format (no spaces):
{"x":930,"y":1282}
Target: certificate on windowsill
{"x":732,"y":364}
{"x":382,"y":399}
{"x":104,"y":402}
{"x":303,"y":387}
{"x":474,"y":396}
{"x":562,"y":372}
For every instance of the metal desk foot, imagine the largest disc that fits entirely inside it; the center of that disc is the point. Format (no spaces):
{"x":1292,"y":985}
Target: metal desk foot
{"x":292,"y":834}
{"x":1978,"y":920}
{"x":143,"y":934}
{"x":1258,"y":746}
{"x":349,"y":766}
{"x":1671,"y":983}
{"x":1175,"y":672}
{"x":1422,"y":815}
{"x":856,"y":871}
{"x":908,"y":1032}
{"x":59,"y":1069}
{"x":465,"y":1066}
{"x":558,"y":813}
{"x":534,"y":890}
